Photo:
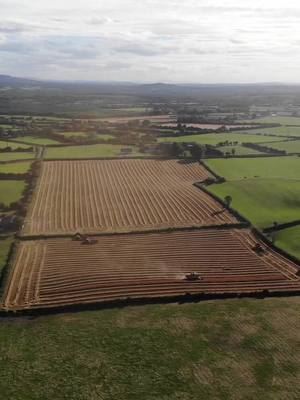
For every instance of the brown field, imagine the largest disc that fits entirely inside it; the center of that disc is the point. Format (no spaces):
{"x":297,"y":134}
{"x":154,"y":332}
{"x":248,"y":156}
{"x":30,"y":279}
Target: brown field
{"x":120,"y":196}
{"x":58,"y":272}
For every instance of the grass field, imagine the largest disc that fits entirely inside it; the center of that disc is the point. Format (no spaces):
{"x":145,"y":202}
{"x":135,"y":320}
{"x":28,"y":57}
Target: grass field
{"x":5,"y":143}
{"x":104,"y":136}
{"x":15,"y":168}
{"x":291,"y":146}
{"x":276,"y":120}
{"x":239,"y":150}
{"x":265,"y":167}
{"x":239,"y":349}
{"x":16,"y":156}
{"x":73,"y":133}
{"x":289,"y":240}
{"x":215,"y":138}
{"x":264,"y":190}
{"x":11,"y":191}
{"x":88,"y":151}
{"x":280,"y":130}
{"x":6,"y":126}
{"x":263,"y":201}
{"x":37,"y":140}
{"x":4,"y":250}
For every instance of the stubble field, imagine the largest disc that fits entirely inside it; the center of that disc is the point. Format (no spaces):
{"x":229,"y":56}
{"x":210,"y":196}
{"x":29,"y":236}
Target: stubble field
{"x":121,"y":196}
{"x":59,"y":272}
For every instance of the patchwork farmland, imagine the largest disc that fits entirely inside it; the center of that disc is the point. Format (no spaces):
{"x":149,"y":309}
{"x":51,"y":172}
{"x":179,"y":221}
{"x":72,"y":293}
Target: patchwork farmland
{"x":59,"y":272}
{"x":121,"y":196}
{"x":118,"y":203}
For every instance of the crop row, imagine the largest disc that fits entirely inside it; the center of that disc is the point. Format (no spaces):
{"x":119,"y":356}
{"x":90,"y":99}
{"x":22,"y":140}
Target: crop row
{"x":120,"y":195}
{"x":59,"y":272}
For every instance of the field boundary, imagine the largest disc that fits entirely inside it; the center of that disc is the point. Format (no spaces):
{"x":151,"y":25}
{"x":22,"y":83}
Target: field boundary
{"x":131,"y":301}
{"x":280,"y":227}
{"x":239,"y":225}
{"x":235,"y":213}
{"x":273,"y":246}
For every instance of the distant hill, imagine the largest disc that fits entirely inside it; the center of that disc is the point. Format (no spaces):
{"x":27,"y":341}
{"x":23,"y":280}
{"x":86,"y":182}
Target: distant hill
{"x":10,"y":81}
{"x":151,"y":89}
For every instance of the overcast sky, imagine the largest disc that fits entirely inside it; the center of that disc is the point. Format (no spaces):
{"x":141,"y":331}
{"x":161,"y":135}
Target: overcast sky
{"x":151,"y":40}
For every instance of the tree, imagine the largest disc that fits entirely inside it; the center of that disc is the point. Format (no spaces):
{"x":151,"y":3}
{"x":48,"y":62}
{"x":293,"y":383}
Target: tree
{"x":196,"y":151}
{"x":228,"y":200}
{"x":176,"y":149}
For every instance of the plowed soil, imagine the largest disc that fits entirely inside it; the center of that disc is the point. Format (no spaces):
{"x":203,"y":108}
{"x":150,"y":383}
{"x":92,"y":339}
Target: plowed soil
{"x":59,"y":272}
{"x":120,"y":196}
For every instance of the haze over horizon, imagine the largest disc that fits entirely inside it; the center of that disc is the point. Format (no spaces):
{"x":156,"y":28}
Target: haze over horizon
{"x":150,"y":41}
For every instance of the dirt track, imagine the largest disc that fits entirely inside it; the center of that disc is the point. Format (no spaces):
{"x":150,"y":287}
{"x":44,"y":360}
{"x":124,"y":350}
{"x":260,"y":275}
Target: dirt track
{"x":120,"y":196}
{"x":58,"y":272}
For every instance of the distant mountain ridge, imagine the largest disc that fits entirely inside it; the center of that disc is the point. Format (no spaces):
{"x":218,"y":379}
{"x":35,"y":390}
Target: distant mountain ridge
{"x":150,"y":90}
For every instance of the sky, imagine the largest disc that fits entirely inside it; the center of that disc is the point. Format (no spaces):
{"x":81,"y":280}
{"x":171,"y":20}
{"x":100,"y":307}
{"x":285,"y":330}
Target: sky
{"x":172,"y":41}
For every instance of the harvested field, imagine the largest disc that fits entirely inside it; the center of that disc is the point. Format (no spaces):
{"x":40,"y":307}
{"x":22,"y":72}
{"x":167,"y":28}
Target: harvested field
{"x":58,"y":272}
{"x":120,"y":196}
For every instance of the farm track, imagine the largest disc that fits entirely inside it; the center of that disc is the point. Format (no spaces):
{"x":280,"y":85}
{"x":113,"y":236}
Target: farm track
{"x":120,"y":196}
{"x":60,"y":272}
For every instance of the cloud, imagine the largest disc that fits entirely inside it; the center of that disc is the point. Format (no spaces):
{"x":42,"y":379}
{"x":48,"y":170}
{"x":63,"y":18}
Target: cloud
{"x":100,"y":20}
{"x":194,"y":40}
{"x":14,"y":27}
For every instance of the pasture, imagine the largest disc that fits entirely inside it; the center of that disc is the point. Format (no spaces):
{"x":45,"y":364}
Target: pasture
{"x":85,"y":151}
{"x":15,"y":168}
{"x":263,"y":201}
{"x":275,"y":120}
{"x":74,"y":134}
{"x":35,"y":140}
{"x":13,"y":145}
{"x":215,"y":138}
{"x":104,"y":136}
{"x":238,"y":150}
{"x":11,"y":156}
{"x":290,"y":147}
{"x":289,"y":240}
{"x":278,"y":130}
{"x":11,"y":191}
{"x":264,"y":167}
{"x":229,"y":349}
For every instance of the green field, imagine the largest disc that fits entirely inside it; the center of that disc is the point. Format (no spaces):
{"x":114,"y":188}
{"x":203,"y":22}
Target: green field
{"x":6,"y":143}
{"x":85,"y":151}
{"x":16,"y":156}
{"x":6,"y":126}
{"x":4,"y":250}
{"x":279,"y":130}
{"x":73,"y":133}
{"x":291,"y":146}
{"x":15,"y":168}
{"x":289,"y":240}
{"x":104,"y":136}
{"x":275,"y":120}
{"x":215,"y":138}
{"x":37,"y":140}
{"x":240,"y":349}
{"x":265,"y":167}
{"x":263,"y":201}
{"x":239,"y":150}
{"x":11,"y":191}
